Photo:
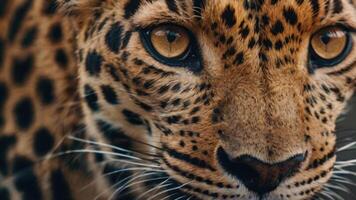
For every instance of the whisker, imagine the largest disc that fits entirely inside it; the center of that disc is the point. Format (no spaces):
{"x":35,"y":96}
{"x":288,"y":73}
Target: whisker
{"x":130,"y":183}
{"x":344,"y":172}
{"x":104,"y":153}
{"x":341,"y":181}
{"x":161,"y":185}
{"x":122,"y":170}
{"x":189,"y":198}
{"x":169,"y":196}
{"x":324,"y":194}
{"x":332,"y":193}
{"x":348,"y":146}
{"x":169,"y":190}
{"x":337,"y":187}
{"x":123,"y":180}
{"x":109,"y":146}
{"x":143,"y":181}
{"x":179,"y":198}
{"x":121,"y":188}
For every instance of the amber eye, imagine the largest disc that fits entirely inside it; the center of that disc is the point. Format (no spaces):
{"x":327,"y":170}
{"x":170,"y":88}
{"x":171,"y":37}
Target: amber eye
{"x":170,"y":41}
{"x":330,"y":46}
{"x":172,"y":45}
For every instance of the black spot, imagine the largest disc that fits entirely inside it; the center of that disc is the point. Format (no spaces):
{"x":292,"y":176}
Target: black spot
{"x":29,"y":37}
{"x":59,"y":186}
{"x":45,"y":90}
{"x":21,"y":163}
{"x":49,"y":7}
{"x":113,"y":37}
{"x":43,"y":141}
{"x":114,"y":135}
{"x":338,"y":7}
{"x":24,"y":113}
{"x":55,"y":33}
{"x":315,"y":6}
{"x":277,"y":28}
{"x":5,"y":143}
{"x":176,"y":87}
{"x":109,"y":94}
{"x":3,"y":7}
{"x":172,"y":5}
{"x":163,"y":89}
{"x":229,"y":52}
{"x":21,"y":69}
{"x":131,"y":8}
{"x":228,"y":16}
{"x":290,"y":16}
{"x":93,"y":63}
{"x":61,"y":58}
{"x":278,"y":45}
{"x":17,"y":19}
{"x":244,"y":32}
{"x":132,"y":118}
{"x":27,"y":183}
{"x":274,"y":2}
{"x":252,"y":43}
{"x":267,"y":43}
{"x":2,"y":121}
{"x":300,"y":2}
{"x":195,"y":120}
{"x":239,"y":58}
{"x":4,"y":194}
{"x":4,"y":93}
{"x":2,"y":52}
{"x":113,"y":72}
{"x":91,"y":98}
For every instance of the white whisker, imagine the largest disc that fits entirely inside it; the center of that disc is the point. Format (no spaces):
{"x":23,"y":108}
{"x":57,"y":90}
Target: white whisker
{"x":179,"y":198}
{"x":167,"y":197}
{"x":168,"y":190}
{"x":120,"y":171}
{"x":121,"y":188}
{"x":106,"y":153}
{"x":346,"y":147}
{"x":143,"y":181}
{"x":161,"y":185}
{"x":106,"y":145}
{"x":123,"y":180}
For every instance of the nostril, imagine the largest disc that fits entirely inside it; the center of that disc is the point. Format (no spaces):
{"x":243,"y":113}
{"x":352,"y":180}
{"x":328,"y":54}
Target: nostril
{"x":256,"y":175}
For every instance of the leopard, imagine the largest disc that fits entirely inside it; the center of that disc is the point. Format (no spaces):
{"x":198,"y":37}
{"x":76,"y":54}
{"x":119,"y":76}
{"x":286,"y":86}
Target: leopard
{"x":174,"y":99}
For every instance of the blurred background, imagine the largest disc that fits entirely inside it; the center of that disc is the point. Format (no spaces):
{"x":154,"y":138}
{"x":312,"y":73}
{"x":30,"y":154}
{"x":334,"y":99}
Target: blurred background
{"x":346,"y":132}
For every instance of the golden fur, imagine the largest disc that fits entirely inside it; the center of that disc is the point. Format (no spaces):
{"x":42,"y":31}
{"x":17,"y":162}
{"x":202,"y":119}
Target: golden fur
{"x":265,"y":104}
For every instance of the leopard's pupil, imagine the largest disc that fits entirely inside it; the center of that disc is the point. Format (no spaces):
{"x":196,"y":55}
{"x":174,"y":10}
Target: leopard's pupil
{"x":325,"y":39}
{"x":171,"y":36}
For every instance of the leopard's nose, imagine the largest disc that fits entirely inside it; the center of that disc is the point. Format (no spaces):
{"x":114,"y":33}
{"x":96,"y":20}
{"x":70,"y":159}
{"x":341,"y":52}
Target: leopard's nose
{"x":258,"y":176}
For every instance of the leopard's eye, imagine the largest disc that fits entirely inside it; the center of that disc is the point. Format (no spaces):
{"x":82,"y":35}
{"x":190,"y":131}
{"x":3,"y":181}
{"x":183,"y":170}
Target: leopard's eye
{"x":170,"y":41}
{"x":330,"y":46}
{"x":172,"y":45}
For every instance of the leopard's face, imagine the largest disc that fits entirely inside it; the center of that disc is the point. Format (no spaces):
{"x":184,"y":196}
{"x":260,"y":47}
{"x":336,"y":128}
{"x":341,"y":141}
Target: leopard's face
{"x":236,"y":99}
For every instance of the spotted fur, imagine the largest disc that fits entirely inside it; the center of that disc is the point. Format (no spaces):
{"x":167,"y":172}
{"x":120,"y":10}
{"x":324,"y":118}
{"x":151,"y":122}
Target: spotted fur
{"x":86,"y":112}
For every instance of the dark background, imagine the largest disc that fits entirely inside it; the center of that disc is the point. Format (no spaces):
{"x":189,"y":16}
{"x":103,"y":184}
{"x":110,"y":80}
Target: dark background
{"x":346,"y":132}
